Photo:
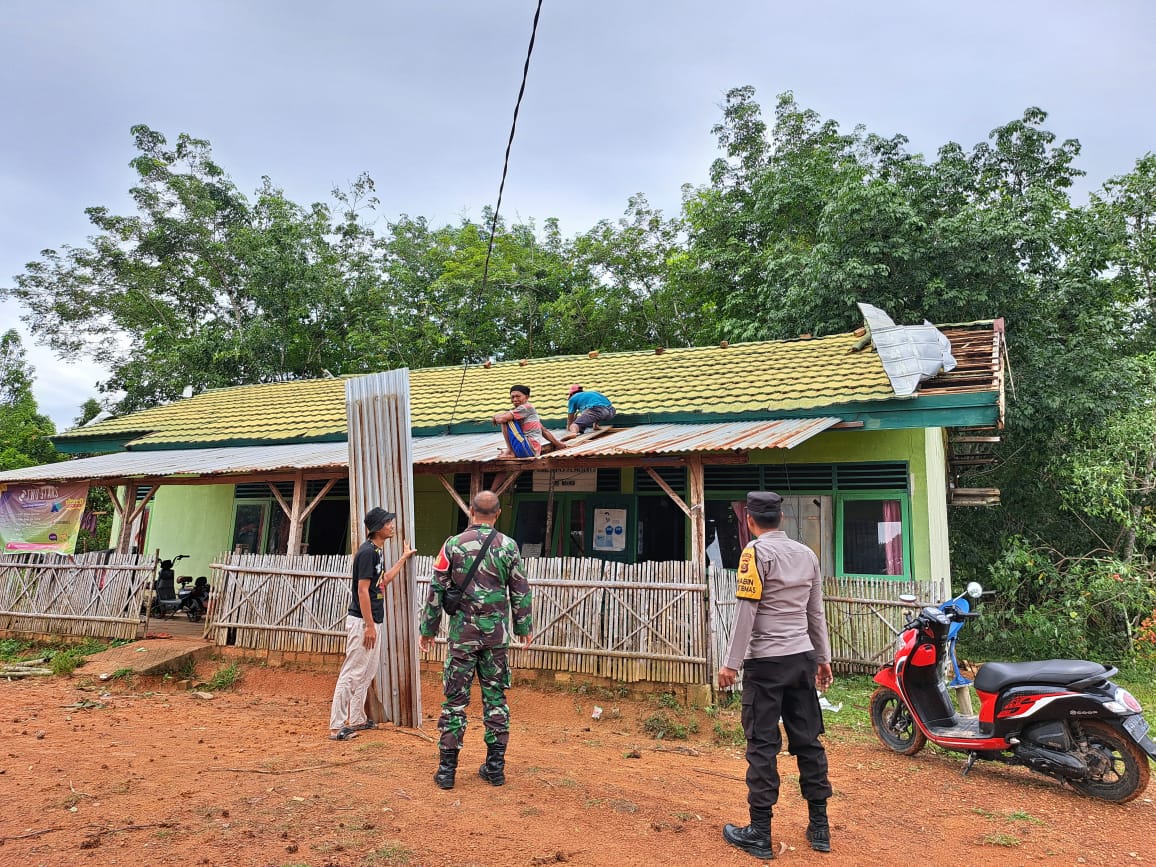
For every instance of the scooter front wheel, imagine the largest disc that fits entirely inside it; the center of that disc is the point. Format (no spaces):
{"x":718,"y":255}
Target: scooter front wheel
{"x":1119,"y":769}
{"x":893,"y":724}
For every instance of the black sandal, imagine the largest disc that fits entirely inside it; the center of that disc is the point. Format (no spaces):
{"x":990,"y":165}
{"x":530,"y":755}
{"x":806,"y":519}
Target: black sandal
{"x":343,"y":734}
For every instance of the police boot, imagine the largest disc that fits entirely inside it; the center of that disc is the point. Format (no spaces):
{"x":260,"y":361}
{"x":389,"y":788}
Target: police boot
{"x":818,"y":831}
{"x":493,"y":770}
{"x":447,"y":769}
{"x":755,"y":838}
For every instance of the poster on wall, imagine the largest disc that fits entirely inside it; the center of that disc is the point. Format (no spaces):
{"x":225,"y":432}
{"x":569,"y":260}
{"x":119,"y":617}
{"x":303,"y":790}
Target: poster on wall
{"x":610,"y":530}
{"x":41,"y":517}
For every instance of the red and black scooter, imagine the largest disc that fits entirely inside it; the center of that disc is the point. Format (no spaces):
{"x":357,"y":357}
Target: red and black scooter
{"x":1060,"y":717}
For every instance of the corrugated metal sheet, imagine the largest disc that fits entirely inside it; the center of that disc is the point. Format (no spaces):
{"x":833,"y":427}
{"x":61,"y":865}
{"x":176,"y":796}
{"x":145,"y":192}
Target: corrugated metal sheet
{"x":657,"y":439}
{"x":652,"y":439}
{"x":189,"y":462}
{"x":649,"y":439}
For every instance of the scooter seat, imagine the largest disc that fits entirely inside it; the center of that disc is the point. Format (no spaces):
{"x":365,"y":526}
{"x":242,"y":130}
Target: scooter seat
{"x":995,"y":676}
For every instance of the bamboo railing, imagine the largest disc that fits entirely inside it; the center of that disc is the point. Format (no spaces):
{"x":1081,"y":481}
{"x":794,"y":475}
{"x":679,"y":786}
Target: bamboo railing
{"x":863,"y":617}
{"x":628,"y":622}
{"x":97,"y":594}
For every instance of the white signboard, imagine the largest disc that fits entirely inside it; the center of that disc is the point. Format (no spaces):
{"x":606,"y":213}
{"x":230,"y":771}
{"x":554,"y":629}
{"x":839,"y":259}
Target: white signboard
{"x":610,"y":530}
{"x":566,"y":480}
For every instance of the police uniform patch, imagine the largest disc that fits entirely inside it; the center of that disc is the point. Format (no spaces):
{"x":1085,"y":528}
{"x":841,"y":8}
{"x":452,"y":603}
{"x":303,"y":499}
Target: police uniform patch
{"x":749,"y":582}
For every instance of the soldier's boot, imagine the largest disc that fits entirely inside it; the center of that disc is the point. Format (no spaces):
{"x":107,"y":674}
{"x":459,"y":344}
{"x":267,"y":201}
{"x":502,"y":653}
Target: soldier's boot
{"x":493,"y":769}
{"x":818,"y":829}
{"x":755,"y":838}
{"x":447,"y":768}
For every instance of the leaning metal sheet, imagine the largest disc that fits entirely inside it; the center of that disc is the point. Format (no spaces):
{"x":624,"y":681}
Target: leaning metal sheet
{"x":381,"y":474}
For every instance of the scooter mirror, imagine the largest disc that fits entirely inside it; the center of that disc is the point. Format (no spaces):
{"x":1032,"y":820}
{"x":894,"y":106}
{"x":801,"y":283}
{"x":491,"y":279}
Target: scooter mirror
{"x":908,"y":598}
{"x":974,"y":589}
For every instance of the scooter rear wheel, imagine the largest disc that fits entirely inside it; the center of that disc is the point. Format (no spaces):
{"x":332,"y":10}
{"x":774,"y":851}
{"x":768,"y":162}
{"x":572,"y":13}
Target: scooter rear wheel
{"x":1120,"y":767}
{"x":893,"y":724}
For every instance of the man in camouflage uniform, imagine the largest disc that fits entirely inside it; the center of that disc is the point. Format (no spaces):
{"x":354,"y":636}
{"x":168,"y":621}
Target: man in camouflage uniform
{"x":477,"y":636}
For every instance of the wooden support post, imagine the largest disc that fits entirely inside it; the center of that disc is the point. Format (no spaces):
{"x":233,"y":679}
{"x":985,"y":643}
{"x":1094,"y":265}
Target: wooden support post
{"x":697,"y":517}
{"x":476,"y":481}
{"x":669,"y":491}
{"x":454,"y":494}
{"x":124,"y":540}
{"x":296,"y":515}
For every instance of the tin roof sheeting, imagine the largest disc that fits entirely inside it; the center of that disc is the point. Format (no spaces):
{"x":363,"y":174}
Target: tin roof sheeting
{"x":189,"y":462}
{"x":656,"y":439}
{"x":652,"y":439}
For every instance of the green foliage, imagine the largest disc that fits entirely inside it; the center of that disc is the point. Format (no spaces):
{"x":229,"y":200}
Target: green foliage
{"x":66,"y":660}
{"x":13,"y":649}
{"x":1046,"y":606}
{"x":729,"y":733}
{"x":24,"y":431}
{"x":224,"y":678}
{"x":662,"y":726}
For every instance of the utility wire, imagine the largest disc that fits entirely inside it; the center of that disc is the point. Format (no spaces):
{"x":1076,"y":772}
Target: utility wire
{"x":501,"y":189}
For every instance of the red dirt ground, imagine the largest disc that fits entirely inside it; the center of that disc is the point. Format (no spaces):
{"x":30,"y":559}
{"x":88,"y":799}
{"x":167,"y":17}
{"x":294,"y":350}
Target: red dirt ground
{"x":157,"y":776}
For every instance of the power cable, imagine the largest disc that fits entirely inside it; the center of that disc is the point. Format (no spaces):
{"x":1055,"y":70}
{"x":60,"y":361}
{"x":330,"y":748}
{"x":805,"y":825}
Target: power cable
{"x":501,"y":190}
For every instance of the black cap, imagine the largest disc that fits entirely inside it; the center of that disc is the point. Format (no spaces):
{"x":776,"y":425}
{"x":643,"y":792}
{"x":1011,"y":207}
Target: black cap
{"x":766,"y":505}
{"x":376,"y":518}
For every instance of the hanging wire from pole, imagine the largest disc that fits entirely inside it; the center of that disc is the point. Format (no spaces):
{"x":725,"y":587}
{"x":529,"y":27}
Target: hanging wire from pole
{"x":501,"y":190}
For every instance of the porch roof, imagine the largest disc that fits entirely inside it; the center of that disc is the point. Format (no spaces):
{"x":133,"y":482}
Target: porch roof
{"x":430,"y":453}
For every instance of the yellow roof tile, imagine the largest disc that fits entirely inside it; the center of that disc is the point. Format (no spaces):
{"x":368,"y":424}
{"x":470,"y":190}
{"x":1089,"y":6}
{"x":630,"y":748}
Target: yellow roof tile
{"x":768,"y":376}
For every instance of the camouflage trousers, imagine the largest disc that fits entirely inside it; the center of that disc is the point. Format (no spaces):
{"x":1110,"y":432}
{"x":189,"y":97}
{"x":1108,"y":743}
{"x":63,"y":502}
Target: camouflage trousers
{"x":457,"y":678}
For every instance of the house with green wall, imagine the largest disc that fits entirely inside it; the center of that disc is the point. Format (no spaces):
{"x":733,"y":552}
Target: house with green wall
{"x":868,"y":467}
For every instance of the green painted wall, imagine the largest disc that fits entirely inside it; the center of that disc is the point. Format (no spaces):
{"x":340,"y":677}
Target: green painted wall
{"x":191,"y":519}
{"x":926,"y":475}
{"x":434,"y":512}
{"x":198,"y":519}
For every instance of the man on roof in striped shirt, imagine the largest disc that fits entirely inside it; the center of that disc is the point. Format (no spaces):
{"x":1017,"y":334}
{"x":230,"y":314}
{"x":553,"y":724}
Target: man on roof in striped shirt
{"x":521,"y":427}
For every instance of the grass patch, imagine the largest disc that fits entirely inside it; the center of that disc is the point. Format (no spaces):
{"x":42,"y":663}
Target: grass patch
{"x":391,"y":853}
{"x":730,"y":735}
{"x":224,"y":678}
{"x":1021,"y":816}
{"x":668,"y":700}
{"x":14,"y":650}
{"x":661,"y":726}
{"x":121,"y":674}
{"x":1005,"y":840}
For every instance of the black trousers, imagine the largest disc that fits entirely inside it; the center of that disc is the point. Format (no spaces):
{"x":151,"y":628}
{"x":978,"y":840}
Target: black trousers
{"x":783,"y":687}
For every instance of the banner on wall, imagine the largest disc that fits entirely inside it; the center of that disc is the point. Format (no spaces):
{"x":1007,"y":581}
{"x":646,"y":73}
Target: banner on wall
{"x":610,"y":530}
{"x":41,"y":517}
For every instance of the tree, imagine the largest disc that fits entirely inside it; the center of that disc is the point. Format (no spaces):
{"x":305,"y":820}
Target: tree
{"x":201,"y":287}
{"x":24,"y":432}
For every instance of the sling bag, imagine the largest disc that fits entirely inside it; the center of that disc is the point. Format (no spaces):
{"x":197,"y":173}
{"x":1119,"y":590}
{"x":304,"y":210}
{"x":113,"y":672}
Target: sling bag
{"x":455,"y":593}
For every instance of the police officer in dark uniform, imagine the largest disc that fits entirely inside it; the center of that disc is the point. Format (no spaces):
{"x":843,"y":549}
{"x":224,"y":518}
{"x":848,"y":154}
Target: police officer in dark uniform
{"x":780,"y":642}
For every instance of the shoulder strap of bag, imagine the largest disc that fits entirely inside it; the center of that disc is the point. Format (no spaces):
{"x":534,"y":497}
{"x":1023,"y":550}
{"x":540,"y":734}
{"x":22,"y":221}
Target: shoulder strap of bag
{"x":477,"y":562}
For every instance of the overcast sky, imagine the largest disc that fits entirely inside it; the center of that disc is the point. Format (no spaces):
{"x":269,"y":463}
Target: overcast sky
{"x":419,"y":93}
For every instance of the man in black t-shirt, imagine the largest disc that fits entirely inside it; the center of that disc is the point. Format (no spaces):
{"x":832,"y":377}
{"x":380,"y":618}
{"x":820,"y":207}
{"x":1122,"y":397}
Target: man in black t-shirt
{"x":366,"y":611}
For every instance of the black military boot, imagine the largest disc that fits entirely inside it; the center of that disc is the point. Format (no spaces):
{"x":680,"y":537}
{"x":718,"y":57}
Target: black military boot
{"x":818,"y":830}
{"x":493,"y":770}
{"x":447,"y":768}
{"x":755,"y":838}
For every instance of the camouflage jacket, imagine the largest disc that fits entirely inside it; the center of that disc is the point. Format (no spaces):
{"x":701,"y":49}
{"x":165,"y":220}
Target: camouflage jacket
{"x":481,"y":621}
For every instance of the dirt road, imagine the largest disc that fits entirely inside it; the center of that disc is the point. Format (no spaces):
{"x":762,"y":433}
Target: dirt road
{"x":145,"y":773}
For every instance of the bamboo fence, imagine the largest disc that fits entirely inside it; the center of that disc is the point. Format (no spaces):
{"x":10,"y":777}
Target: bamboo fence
{"x":644,"y":622}
{"x":631,"y":623}
{"x":863,"y":617}
{"x":97,"y":594}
